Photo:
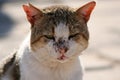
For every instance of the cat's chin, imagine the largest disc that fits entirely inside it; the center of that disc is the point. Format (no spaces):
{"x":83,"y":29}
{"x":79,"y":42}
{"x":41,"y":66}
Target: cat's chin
{"x":62,"y":61}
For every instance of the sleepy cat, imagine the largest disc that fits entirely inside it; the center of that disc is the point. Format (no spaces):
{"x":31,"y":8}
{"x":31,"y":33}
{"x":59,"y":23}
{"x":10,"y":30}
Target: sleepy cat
{"x":51,"y":51}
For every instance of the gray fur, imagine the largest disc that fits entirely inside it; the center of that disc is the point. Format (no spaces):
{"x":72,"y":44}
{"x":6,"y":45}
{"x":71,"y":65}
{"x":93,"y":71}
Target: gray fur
{"x":55,"y":15}
{"x":10,"y":67}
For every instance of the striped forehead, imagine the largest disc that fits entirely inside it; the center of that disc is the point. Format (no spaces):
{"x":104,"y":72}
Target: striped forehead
{"x":61,"y":31}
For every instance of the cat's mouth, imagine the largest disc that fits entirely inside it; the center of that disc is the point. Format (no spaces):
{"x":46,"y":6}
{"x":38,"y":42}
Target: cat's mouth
{"x":62,"y":57}
{"x":62,"y":52}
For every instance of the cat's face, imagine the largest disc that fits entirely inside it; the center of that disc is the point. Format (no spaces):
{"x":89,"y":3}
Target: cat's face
{"x":59,"y":33}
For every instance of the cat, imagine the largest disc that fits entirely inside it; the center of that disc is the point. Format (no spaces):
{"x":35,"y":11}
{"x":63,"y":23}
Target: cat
{"x":51,"y":51}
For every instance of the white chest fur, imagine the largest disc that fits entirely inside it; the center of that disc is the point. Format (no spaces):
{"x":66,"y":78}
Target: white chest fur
{"x":32,"y":69}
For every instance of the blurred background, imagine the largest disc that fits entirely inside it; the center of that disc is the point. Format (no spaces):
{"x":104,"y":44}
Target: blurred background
{"x":101,"y":59}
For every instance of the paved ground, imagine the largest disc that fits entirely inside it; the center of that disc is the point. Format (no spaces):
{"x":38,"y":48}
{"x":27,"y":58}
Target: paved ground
{"x":101,"y":59}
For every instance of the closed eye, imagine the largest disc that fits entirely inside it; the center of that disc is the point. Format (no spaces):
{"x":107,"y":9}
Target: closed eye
{"x":74,"y":35}
{"x":49,"y":37}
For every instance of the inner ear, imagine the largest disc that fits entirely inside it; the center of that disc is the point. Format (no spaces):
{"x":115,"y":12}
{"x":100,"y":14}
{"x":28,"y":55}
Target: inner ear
{"x":86,"y":10}
{"x":32,"y":13}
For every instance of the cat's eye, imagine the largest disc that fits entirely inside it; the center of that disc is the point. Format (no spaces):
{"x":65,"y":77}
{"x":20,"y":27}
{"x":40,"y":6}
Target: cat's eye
{"x":73,"y":35}
{"x":50,"y":37}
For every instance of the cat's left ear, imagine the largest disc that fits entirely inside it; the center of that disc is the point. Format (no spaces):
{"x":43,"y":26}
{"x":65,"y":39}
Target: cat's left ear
{"x":32,"y":13}
{"x":86,"y":10}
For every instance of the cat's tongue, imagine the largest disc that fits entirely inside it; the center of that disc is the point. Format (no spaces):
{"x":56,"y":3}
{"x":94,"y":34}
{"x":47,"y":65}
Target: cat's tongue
{"x":62,"y":57}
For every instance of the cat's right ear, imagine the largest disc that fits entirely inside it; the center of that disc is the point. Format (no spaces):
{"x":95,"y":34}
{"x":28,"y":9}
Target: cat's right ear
{"x":32,"y":13}
{"x":86,"y":10}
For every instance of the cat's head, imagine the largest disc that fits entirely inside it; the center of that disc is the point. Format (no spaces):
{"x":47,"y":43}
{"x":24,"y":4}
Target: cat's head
{"x":59,"y":32}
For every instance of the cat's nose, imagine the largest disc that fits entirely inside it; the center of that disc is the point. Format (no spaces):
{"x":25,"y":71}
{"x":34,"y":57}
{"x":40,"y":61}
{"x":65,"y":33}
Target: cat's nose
{"x":61,"y":46}
{"x":63,"y":50}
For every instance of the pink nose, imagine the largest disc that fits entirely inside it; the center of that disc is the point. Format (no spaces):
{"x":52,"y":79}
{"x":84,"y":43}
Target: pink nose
{"x":62,"y":50}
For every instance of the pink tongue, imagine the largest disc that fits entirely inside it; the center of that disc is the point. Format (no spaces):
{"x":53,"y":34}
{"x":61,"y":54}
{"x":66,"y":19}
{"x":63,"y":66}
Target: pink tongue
{"x":62,"y":57}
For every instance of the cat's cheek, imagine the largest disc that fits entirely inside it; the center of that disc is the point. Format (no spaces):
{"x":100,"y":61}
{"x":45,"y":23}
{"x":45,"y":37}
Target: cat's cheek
{"x":72,"y":48}
{"x":51,"y":50}
{"x":82,"y":45}
{"x":77,"y":46}
{"x":83,"y":42}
